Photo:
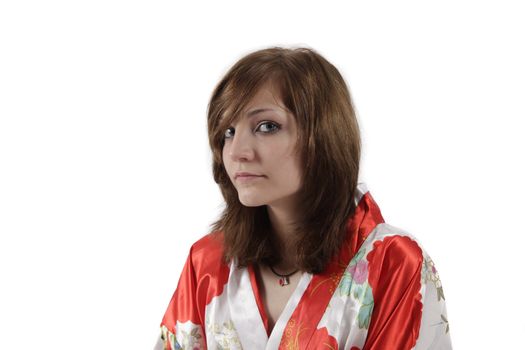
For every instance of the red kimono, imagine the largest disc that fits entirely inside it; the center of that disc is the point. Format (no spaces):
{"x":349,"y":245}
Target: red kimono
{"x":381,"y":292}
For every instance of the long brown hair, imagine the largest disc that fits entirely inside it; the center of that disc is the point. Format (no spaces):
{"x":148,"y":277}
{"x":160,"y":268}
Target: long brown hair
{"x":329,"y":143}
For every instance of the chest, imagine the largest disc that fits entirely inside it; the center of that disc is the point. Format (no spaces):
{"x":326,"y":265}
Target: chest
{"x":255,"y":311}
{"x":274,"y":295}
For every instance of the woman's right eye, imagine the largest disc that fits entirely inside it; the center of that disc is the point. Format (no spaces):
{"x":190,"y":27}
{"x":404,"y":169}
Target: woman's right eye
{"x":229,"y":133}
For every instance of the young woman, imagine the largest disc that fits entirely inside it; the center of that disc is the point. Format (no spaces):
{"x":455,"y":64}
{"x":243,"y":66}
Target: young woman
{"x":301,"y":257}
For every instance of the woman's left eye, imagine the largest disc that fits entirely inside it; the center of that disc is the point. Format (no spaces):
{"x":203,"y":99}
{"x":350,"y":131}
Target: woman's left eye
{"x":268,"y":127}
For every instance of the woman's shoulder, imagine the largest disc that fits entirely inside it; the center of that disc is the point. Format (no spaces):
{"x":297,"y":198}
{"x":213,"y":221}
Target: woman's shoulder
{"x":207,"y":253}
{"x":211,"y":242}
{"x":395,"y":246}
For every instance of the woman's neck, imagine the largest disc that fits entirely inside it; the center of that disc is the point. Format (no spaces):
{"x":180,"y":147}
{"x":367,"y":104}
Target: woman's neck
{"x":283,"y":225}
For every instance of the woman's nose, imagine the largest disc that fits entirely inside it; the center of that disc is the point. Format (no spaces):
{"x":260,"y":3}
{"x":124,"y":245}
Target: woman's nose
{"x":241,"y":145}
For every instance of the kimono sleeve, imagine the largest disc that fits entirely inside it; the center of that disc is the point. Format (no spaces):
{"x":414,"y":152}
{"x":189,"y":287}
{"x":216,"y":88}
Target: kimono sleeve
{"x":434,"y":328}
{"x":182,"y":326}
{"x":409,"y":310}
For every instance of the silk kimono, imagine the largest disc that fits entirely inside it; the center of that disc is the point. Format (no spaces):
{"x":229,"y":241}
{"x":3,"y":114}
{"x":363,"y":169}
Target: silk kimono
{"x":382,"y":291}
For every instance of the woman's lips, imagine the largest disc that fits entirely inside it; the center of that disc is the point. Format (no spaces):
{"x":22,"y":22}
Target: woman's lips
{"x":247,"y":178}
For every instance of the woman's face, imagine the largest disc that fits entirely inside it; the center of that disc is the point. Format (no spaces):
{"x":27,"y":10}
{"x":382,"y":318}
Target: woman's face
{"x":262,"y":142}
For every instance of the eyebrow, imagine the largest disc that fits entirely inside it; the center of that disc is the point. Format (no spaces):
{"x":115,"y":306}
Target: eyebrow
{"x":256,"y":111}
{"x":259,"y":110}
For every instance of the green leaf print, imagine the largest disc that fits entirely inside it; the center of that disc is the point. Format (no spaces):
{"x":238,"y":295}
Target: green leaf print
{"x":195,"y":333}
{"x":345,"y":285}
{"x":365,"y":311}
{"x":358,"y":292}
{"x":357,"y":257}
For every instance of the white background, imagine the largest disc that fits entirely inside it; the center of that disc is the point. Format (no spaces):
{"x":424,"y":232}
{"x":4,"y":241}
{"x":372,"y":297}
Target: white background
{"x":105,"y":177}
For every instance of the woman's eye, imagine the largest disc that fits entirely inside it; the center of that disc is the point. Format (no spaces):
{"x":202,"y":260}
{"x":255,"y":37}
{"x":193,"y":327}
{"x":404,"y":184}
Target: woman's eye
{"x":229,"y":133}
{"x":267,"y":127}
{"x":264,"y":127}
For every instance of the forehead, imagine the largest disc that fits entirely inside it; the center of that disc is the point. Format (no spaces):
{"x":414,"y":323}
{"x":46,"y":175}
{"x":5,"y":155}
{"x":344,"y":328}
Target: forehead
{"x":267,"y":94}
{"x":267,"y":99}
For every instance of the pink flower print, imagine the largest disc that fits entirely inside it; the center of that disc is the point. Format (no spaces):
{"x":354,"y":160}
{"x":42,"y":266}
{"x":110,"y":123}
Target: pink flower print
{"x":359,"y":271}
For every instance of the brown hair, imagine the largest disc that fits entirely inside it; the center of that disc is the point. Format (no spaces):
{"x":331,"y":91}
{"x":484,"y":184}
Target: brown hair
{"x":329,"y":143}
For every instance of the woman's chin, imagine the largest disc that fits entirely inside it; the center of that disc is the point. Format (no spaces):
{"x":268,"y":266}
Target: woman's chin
{"x":250,"y":201}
